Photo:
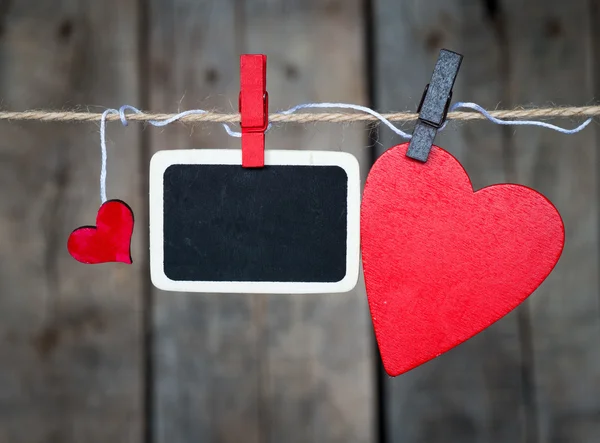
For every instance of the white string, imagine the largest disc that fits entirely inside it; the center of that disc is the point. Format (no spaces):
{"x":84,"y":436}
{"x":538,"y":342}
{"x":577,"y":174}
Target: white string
{"x":476,"y":107}
{"x":160,"y":123}
{"x":360,"y":108}
{"x":103,"y":150}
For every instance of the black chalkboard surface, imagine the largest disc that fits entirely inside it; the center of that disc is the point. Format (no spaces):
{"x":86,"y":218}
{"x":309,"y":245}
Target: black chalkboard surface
{"x":291,"y":226}
{"x":278,"y":223}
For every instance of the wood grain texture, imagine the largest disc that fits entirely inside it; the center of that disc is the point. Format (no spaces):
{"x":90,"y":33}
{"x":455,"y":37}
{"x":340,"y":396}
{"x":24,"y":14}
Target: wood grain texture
{"x":318,"y":383}
{"x":235,"y":368}
{"x":206,"y":352}
{"x":550,"y":47}
{"x":474,"y":392}
{"x":70,"y":334}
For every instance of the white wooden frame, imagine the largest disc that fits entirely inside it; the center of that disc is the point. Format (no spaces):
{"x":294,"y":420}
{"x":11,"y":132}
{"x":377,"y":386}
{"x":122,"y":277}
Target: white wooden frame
{"x":163,"y":159}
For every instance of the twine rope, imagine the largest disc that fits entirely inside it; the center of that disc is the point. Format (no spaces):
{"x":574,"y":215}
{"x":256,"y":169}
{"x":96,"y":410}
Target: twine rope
{"x":313,"y":117}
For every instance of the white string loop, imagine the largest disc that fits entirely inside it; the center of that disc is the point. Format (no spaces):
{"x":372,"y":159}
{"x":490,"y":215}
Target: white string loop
{"x":360,"y":108}
{"x":122,"y":113}
{"x":481,"y":110}
{"x":103,"y":151}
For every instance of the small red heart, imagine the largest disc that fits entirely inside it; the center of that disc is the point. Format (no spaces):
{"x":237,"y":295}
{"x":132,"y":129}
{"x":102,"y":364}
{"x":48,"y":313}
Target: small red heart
{"x":109,"y":240}
{"x":443,"y":262}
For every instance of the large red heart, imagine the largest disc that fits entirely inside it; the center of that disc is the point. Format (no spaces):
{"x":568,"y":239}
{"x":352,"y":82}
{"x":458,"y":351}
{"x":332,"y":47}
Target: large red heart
{"x":443,"y":262}
{"x":109,"y":240}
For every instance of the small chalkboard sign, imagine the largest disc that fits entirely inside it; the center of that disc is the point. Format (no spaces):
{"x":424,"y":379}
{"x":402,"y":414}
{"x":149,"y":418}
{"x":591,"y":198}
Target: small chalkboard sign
{"x":289,"y":227}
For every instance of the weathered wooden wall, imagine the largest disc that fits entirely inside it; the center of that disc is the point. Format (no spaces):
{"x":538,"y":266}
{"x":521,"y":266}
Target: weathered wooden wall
{"x":95,"y":354}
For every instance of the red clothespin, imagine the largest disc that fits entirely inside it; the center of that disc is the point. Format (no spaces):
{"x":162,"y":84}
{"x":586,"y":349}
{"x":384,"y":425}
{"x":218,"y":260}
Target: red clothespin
{"x":254,"y":107}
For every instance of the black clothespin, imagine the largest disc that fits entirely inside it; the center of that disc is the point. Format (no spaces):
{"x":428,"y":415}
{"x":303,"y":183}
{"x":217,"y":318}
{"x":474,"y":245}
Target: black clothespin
{"x":434,"y":106}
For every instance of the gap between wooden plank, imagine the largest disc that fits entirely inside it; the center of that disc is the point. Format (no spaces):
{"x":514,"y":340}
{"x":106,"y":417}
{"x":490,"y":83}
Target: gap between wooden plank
{"x":370,"y":46}
{"x":147,"y":300}
{"x":594,"y":20}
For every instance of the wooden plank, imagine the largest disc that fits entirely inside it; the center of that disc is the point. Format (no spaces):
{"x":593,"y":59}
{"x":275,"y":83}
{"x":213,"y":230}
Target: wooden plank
{"x":70,"y":334}
{"x":550,"y":43}
{"x":318,"y":382}
{"x":206,"y":348}
{"x":257,"y":368}
{"x":474,"y":392}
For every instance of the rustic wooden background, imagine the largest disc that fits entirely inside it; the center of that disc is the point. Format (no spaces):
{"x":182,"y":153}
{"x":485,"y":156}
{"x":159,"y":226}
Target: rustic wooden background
{"x":96,"y":355}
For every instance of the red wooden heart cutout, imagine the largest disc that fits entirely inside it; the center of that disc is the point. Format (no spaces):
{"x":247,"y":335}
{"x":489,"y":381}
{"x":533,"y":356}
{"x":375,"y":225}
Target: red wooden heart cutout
{"x":109,"y":240}
{"x":443,"y":262}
